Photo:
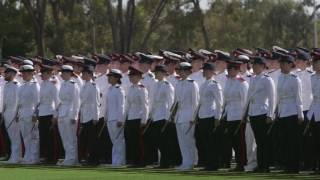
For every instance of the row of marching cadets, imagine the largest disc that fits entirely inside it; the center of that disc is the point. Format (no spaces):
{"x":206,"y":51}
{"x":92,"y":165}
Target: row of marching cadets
{"x":176,"y":109}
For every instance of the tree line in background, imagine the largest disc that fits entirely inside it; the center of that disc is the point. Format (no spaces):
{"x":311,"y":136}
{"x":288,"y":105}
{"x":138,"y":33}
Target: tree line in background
{"x":48,"y":27}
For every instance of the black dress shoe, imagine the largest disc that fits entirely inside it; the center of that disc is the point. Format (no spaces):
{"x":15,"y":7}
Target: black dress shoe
{"x":237,"y":169}
{"x":261,"y":170}
{"x":161,"y":167}
{"x":136,"y":166}
{"x":209,"y":169}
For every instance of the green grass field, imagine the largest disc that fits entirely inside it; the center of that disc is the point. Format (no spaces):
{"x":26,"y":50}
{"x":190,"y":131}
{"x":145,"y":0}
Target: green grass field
{"x":15,"y":172}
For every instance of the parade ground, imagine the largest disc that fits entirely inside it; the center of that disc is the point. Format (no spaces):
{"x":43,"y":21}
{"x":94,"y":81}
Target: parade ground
{"x":44,"y":172}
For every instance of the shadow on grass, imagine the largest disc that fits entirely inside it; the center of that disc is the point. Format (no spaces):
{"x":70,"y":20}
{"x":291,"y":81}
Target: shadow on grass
{"x":195,"y":173}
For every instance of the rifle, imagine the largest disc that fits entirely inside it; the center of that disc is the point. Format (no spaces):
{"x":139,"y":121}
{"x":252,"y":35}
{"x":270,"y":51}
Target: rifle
{"x":223,"y":118}
{"x":36,"y":112}
{"x":173,"y":112}
{"x":101,"y":129}
{"x":2,"y":117}
{"x":79,"y":126}
{"x":307,"y":128}
{"x":149,"y":122}
{"x":274,"y":121}
{"x":195,"y":119}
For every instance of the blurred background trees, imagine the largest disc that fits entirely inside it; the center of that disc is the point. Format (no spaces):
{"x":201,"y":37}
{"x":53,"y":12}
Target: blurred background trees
{"x":48,"y":27}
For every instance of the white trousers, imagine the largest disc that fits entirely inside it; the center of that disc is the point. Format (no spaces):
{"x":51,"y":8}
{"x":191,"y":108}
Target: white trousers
{"x":30,"y":134}
{"x":251,"y":149}
{"x":68,"y":133}
{"x":118,"y":142}
{"x":13,"y":130}
{"x":187,"y":144}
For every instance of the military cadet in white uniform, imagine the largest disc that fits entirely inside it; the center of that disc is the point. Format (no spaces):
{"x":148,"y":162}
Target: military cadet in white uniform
{"x":47,"y":107}
{"x":136,"y":113}
{"x":235,"y":95}
{"x":172,"y":61}
{"x":210,"y":110}
{"x":28,"y":103}
{"x":10,"y":104}
{"x":187,"y":97}
{"x":302,"y":62}
{"x":246,"y":74}
{"x":197,"y":59}
{"x":101,"y":80}
{"x":260,"y":107}
{"x":290,"y":114}
{"x":115,"y":117}
{"x":157,"y":137}
{"x":89,"y":116}
{"x":68,"y":112}
{"x":273,"y":70}
{"x":146,"y":63}
{"x":314,"y":113}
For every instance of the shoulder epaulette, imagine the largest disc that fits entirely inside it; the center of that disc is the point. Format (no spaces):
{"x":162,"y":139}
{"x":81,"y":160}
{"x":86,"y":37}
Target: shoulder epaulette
{"x":141,"y":85}
{"x":166,"y":82}
{"x":150,"y":74}
{"x":214,"y":81}
{"x":190,"y":80}
{"x":293,"y":75}
{"x":266,"y":75}
{"x":309,"y":71}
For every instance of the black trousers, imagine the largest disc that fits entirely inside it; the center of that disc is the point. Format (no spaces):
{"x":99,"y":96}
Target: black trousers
{"x":150,"y":144}
{"x":174,"y":153}
{"x":132,"y":137}
{"x":276,"y":159}
{"x":224,"y":150}
{"x":200,"y":145}
{"x":289,"y":142}
{"x":88,"y":142}
{"x":209,"y":141}
{"x":263,"y":140}
{"x":306,"y":144}
{"x":158,"y":141}
{"x":316,"y":144}
{"x":104,"y":144}
{"x":5,"y":144}
{"x":235,"y":141}
{"x":47,"y":142}
{"x":58,"y":149}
